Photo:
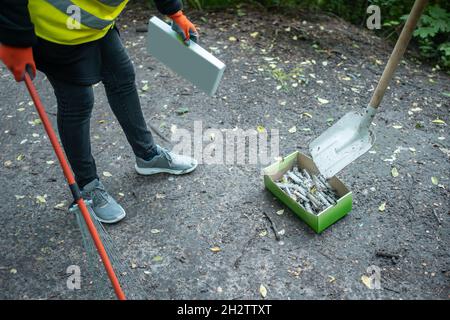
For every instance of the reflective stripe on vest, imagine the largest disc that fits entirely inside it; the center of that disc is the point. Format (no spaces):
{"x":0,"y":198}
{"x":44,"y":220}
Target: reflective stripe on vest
{"x":111,"y":3}
{"x":86,"y":18}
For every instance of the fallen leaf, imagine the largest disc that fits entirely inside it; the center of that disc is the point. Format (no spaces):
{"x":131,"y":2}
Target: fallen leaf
{"x":260,"y":129}
{"x":434,"y":181}
{"x":182,"y":111}
{"x":382,"y":207}
{"x":41,"y":199}
{"x":232,"y":39}
{"x":306,"y":114}
{"x":323,"y":101}
{"x":145,"y":87}
{"x":20,"y":157}
{"x":107,"y":174}
{"x":215,"y":249}
{"x":8,"y":163}
{"x":254,"y":34}
{"x":157,"y":258}
{"x":155,"y":231}
{"x":280,"y":212}
{"x":19,"y":197}
{"x":367,"y":282}
{"x":263,"y":291}
{"x":13,"y":271}
{"x":439,"y":121}
{"x":293,"y":129}
{"x":60,"y":205}
{"x":394,"y":172}
{"x":263,"y":233}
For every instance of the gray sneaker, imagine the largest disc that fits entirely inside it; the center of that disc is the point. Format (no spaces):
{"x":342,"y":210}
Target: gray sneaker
{"x":166,"y":162}
{"x":106,"y":209}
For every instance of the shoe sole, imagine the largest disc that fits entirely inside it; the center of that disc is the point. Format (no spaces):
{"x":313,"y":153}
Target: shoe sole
{"x":150,"y":171}
{"x":119,"y":218}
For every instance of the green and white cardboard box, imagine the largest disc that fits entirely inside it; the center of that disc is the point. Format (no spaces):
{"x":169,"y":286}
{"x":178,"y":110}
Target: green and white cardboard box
{"x":325,"y":218}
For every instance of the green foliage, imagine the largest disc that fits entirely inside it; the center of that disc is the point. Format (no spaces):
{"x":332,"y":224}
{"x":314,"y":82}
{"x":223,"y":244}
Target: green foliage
{"x":432,"y":34}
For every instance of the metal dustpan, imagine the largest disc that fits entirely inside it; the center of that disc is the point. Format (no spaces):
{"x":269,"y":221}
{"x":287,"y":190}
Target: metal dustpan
{"x":351,"y":137}
{"x":343,"y":143}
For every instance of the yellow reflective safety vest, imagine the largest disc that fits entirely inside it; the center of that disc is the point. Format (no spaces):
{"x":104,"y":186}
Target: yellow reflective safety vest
{"x":72,"y":22}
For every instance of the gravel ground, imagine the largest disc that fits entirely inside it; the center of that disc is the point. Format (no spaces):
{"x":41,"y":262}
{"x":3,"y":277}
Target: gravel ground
{"x":226,"y":206}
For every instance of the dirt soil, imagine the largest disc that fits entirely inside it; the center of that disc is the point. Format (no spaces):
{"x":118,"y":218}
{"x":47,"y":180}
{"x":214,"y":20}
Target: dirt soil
{"x":225,"y":206}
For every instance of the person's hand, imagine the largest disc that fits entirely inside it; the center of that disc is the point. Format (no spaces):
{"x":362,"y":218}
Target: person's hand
{"x":17,"y":59}
{"x":184,"y":27}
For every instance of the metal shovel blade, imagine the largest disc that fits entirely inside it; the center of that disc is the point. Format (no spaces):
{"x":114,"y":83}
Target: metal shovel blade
{"x":342,"y":143}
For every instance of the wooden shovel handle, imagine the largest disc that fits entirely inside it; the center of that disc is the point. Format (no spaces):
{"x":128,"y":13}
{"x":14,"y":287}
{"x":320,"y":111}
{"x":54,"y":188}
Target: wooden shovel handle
{"x":397,"y":53}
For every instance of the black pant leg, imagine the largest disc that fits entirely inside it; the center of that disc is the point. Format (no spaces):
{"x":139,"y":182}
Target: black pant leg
{"x":118,"y":78}
{"x":75,"y":104}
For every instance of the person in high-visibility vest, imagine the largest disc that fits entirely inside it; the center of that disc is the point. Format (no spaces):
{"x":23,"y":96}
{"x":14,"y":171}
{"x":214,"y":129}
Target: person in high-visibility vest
{"x":76,"y":44}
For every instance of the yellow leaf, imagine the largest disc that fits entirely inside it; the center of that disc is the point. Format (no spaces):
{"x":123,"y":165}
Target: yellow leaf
{"x":41,"y":199}
{"x":306,"y":114}
{"x":215,"y":249}
{"x":260,"y":129}
{"x":263,"y":291}
{"x":323,"y":101}
{"x":367,"y":282}
{"x":438,"y":121}
{"x":60,"y":205}
{"x":107,"y":174}
{"x":394,"y":172}
{"x":382,"y":207}
{"x":434,"y":181}
{"x":254,"y":34}
{"x":232,"y":39}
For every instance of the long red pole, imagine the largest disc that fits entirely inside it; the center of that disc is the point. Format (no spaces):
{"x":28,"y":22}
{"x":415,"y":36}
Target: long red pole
{"x":74,"y":187}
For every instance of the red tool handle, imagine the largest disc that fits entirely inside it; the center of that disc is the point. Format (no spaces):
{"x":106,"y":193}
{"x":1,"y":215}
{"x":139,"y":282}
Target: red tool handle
{"x":74,"y":187}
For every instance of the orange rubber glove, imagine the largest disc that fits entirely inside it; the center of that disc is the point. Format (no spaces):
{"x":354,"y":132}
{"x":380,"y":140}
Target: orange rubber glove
{"x":186,"y":27}
{"x":17,"y":59}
